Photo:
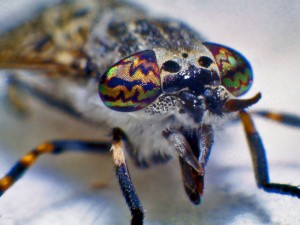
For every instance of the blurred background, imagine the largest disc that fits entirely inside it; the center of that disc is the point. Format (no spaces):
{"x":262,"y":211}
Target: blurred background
{"x":82,"y":189}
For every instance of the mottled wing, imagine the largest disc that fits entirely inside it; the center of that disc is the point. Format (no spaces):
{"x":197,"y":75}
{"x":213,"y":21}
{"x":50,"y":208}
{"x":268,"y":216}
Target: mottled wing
{"x":52,"y":41}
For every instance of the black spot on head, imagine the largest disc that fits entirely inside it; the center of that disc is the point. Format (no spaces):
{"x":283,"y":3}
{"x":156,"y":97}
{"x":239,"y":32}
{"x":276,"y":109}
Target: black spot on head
{"x":171,"y":66}
{"x":184,"y":55}
{"x":205,"y":61}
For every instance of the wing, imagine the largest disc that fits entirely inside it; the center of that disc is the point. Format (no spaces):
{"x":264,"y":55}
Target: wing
{"x":52,"y":41}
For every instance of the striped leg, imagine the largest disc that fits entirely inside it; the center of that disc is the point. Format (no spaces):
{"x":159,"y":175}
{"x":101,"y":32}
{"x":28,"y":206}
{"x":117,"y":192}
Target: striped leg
{"x":284,"y":118}
{"x":57,"y":147}
{"x":260,"y":161}
{"x":54,"y":147}
{"x":132,"y":200}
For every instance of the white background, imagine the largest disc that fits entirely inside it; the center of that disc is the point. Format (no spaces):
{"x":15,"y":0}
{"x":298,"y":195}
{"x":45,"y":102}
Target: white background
{"x":58,"y":189}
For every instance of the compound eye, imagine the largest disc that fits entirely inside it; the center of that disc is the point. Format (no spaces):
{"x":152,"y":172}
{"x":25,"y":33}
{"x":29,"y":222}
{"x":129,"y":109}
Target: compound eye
{"x":171,"y":66}
{"x":235,"y":70}
{"x":205,"y":61}
{"x":132,"y":83}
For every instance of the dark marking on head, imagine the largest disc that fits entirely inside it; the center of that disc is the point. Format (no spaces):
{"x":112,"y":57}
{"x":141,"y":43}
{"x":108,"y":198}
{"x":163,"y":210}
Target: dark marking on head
{"x":171,"y":66}
{"x":184,"y":55}
{"x":205,"y":61}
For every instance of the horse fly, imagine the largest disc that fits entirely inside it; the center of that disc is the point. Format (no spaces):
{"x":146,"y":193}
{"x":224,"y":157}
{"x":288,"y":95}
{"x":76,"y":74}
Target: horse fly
{"x":153,"y":82}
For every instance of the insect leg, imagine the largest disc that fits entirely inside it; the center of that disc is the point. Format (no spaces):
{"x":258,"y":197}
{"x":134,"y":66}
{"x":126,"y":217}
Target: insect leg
{"x":182,"y":146}
{"x":14,"y":97}
{"x":284,"y":118}
{"x":49,"y":99}
{"x":54,"y":147}
{"x":132,"y":200}
{"x":260,"y":161}
{"x":193,"y":182}
{"x":206,"y":140}
{"x":185,"y":142}
{"x":200,"y":141}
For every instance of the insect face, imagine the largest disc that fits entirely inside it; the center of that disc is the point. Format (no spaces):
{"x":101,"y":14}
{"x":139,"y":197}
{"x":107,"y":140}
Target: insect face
{"x":154,"y":66}
{"x":189,"y":71}
{"x":193,"y":77}
{"x":200,"y":79}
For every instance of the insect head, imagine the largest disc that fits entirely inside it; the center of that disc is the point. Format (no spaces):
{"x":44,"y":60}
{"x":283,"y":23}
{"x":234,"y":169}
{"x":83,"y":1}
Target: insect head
{"x":135,"y":82}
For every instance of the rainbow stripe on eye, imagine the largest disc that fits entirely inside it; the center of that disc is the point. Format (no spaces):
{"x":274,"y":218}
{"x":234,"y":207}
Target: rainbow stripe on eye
{"x":235,"y":70}
{"x":132,"y":83}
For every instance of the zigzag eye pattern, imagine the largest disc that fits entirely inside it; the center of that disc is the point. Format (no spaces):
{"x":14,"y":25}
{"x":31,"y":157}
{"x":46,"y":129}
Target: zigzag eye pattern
{"x":235,"y":70}
{"x":132,"y":83}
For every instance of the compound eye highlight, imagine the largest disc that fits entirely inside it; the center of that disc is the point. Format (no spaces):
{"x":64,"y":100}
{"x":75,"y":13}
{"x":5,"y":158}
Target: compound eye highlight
{"x":132,"y":83}
{"x":205,"y":61}
{"x":171,"y":66}
{"x":235,"y":70}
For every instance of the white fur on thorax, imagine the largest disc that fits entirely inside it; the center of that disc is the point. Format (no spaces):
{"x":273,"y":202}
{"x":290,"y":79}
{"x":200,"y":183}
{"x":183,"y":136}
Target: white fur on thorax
{"x":144,"y":131}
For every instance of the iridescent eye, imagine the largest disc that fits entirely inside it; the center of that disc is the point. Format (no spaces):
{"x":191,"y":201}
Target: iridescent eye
{"x":235,"y":70}
{"x":132,"y":83}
